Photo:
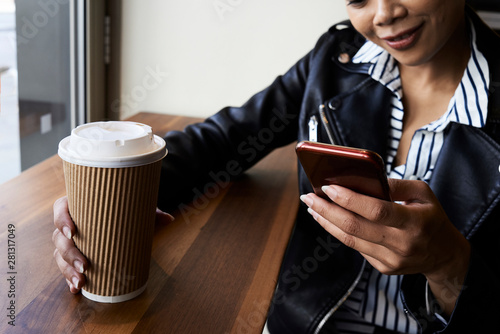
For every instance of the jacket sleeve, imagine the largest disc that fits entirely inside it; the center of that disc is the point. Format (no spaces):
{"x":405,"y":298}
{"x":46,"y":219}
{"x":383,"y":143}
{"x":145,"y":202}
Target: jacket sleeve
{"x":477,"y":307}
{"x":232,"y":140}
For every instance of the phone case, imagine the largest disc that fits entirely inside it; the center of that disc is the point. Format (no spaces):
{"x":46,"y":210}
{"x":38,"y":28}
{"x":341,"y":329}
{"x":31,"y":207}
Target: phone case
{"x":357,"y":169}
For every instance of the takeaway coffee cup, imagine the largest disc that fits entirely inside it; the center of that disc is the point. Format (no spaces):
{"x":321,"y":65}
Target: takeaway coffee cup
{"x":112,"y":172}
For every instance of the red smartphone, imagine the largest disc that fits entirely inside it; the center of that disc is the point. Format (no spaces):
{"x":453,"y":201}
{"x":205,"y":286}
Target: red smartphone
{"x":357,"y":169}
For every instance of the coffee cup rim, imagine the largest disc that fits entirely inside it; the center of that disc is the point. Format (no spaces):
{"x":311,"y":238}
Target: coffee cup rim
{"x":143,"y":147}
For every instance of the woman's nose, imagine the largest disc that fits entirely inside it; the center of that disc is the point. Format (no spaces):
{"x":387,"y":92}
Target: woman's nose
{"x":388,"y":11}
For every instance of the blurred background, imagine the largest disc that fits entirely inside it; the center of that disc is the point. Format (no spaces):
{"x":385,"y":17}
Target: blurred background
{"x":10,"y":161}
{"x":66,"y":62}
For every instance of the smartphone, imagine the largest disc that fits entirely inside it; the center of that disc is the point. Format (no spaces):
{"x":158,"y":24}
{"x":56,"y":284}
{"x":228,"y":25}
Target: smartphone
{"x":357,"y":169}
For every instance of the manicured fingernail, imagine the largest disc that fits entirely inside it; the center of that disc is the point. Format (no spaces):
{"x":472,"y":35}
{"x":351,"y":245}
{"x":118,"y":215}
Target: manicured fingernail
{"x":307,"y":200}
{"x":313,"y":213}
{"x":78,"y":266}
{"x":330,"y":191}
{"x":76,"y":282}
{"x":69,"y":283}
{"x":67,"y":232}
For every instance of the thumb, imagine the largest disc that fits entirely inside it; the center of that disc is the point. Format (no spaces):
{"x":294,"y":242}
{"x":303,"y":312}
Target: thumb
{"x":163,"y":217}
{"x":409,"y":191}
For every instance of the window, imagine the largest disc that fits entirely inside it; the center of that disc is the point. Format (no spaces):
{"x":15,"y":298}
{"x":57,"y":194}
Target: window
{"x":10,"y":161}
{"x":49,"y":64}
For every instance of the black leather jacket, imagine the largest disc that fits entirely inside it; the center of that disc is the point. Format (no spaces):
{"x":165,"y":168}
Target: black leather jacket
{"x":353,"y":110}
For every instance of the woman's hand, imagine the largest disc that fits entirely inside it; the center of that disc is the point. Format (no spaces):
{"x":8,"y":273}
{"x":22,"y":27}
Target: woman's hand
{"x":69,"y":259}
{"x":413,"y":237}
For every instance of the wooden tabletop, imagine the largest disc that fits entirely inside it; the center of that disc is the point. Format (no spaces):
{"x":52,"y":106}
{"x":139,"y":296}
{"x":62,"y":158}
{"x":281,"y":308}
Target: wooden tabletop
{"x":213,"y":270}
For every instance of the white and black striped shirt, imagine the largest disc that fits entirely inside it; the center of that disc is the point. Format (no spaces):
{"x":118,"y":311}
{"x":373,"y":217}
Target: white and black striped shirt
{"x":376,"y":299}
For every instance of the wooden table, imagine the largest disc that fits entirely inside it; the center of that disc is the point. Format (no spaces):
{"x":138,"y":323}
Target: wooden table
{"x":212,"y":271}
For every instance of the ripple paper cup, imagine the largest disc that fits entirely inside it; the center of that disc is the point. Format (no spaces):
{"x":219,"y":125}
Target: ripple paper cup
{"x":112,"y":174}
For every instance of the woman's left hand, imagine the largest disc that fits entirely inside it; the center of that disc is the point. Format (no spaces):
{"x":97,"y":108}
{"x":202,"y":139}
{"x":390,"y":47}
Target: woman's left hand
{"x":415,"y":236}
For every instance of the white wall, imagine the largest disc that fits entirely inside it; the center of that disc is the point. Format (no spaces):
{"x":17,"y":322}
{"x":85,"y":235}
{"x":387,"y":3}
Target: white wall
{"x":195,"y":57}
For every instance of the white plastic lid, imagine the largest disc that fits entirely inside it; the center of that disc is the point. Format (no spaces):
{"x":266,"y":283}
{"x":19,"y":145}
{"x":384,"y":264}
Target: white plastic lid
{"x":114,"y":144}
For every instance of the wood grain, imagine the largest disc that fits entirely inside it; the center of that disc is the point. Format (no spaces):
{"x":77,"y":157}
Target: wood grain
{"x":211,"y":272}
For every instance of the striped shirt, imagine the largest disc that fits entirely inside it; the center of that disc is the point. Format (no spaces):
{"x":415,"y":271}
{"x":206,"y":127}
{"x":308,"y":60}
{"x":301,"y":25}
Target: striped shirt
{"x":376,"y":299}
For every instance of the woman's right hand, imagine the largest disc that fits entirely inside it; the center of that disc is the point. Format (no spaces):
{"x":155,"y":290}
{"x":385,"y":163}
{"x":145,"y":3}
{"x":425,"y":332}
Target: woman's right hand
{"x":69,"y":259}
{"x":71,"y":262}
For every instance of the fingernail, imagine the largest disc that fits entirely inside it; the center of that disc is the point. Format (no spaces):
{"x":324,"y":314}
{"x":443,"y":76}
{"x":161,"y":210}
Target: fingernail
{"x":75,"y":282}
{"x":313,"y":213}
{"x":78,"y":266}
{"x":67,"y":232}
{"x":69,"y":283}
{"x":307,"y":200}
{"x":330,"y":191}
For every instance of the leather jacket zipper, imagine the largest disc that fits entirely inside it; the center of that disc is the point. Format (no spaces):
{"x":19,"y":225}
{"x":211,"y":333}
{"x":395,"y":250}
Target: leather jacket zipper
{"x":313,"y":128}
{"x":326,"y":125}
{"x":341,"y":300}
{"x":323,"y":321}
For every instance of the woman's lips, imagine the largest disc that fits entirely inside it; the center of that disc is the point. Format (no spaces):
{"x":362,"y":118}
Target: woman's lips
{"x":403,"y":40}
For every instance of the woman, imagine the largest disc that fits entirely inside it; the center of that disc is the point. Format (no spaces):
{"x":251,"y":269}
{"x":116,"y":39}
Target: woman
{"x":413,"y":81}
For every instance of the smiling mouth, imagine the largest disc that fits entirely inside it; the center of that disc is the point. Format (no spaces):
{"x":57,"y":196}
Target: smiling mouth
{"x":397,"y":39}
{"x":403,"y":40}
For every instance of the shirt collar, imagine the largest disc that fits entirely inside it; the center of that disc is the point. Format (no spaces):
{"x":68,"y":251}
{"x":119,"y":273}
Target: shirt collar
{"x":468,"y":106}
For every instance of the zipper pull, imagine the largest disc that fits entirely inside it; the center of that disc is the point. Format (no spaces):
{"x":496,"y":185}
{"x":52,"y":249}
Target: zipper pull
{"x":313,"y":129}
{"x":326,"y":125}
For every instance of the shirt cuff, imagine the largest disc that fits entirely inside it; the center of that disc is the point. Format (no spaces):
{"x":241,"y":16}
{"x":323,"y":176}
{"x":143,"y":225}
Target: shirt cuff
{"x":432,"y":305}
